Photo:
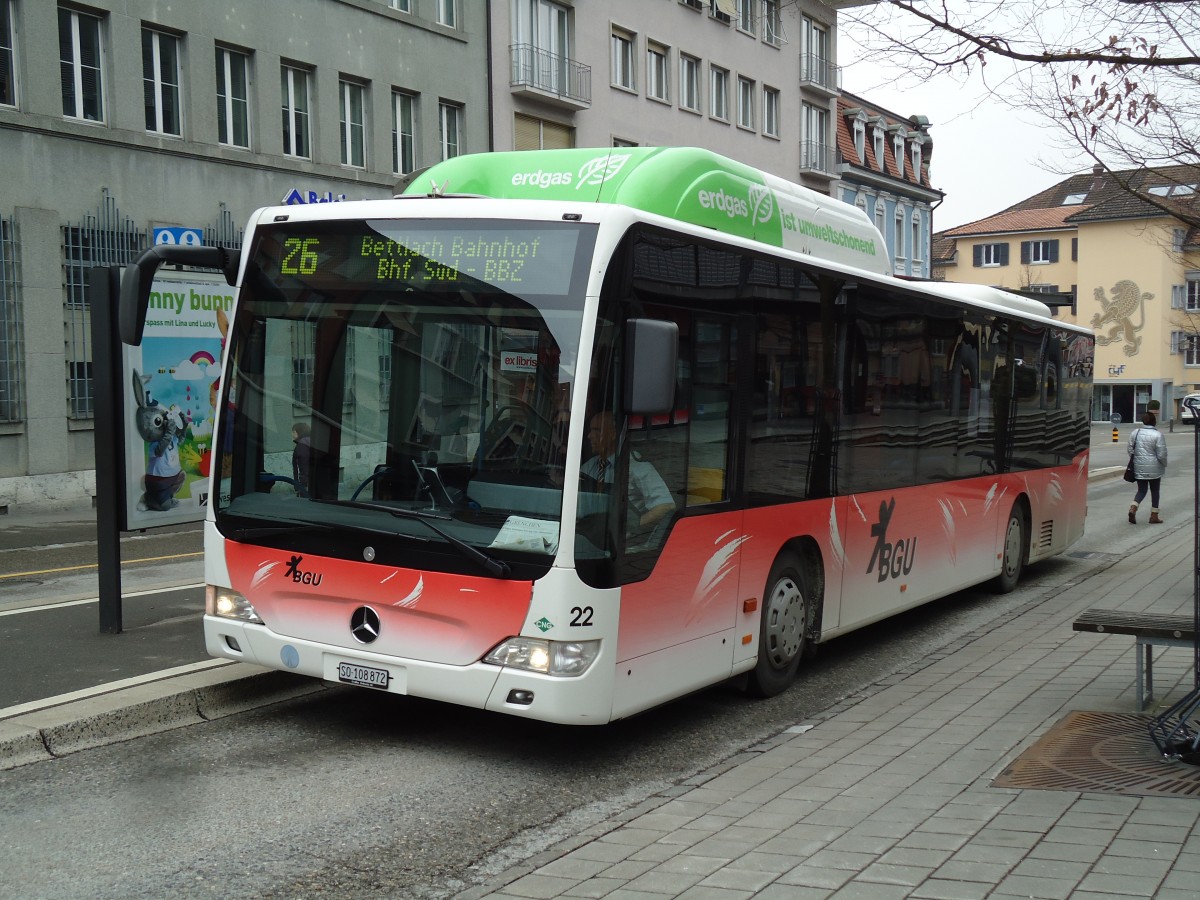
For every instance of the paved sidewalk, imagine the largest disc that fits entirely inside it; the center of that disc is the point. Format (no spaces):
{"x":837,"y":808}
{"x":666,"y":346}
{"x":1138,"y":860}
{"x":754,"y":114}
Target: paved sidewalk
{"x":889,"y":794}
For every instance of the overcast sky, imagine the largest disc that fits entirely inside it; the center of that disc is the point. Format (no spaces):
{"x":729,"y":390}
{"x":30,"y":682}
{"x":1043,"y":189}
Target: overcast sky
{"x":986,"y":156}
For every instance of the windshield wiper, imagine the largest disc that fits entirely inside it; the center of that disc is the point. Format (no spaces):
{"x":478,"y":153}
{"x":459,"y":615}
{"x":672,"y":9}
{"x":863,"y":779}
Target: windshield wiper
{"x":294,"y":526}
{"x":490,"y":564}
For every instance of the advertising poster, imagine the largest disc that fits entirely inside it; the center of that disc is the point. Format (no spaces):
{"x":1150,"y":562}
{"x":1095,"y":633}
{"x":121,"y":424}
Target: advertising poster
{"x":171,"y":383}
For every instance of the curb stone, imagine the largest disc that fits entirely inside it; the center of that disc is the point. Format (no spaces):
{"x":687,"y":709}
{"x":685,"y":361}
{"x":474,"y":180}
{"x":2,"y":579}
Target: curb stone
{"x":53,"y":731}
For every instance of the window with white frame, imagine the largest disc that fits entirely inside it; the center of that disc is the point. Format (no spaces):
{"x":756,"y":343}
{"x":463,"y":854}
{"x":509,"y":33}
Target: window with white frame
{"x":718,"y":90}
{"x":8,"y":67}
{"x":880,"y":212}
{"x":914,"y":241}
{"x":81,"y":65}
{"x":877,"y":139}
{"x":402,"y":5}
{"x":898,"y":152}
{"x":293,"y":87}
{"x":988,"y":255}
{"x":351,"y":125}
{"x":689,"y":82}
{"x":745,"y":15}
{"x":623,"y":73}
{"x":772,"y":25}
{"x":544,"y":38}
{"x":1187,"y":344}
{"x":714,"y":10}
{"x":770,"y":112}
{"x":1186,"y":296}
{"x":814,"y":138}
{"x":815,"y":55}
{"x":915,"y":154}
{"x":898,"y":236}
{"x":450,"y":118}
{"x":160,"y":81}
{"x":233,"y":98}
{"x":747,"y":96}
{"x":860,"y":139}
{"x":404,"y":132}
{"x":656,"y":72}
{"x":447,"y":13}
{"x":1039,"y":252}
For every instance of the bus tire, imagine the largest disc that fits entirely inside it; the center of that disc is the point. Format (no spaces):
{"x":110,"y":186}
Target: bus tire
{"x":786,"y":621}
{"x":1016,"y":551}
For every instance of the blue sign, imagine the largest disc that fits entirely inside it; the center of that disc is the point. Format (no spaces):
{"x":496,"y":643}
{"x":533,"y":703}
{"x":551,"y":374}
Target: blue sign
{"x":180,"y":237}
{"x":295,"y":195}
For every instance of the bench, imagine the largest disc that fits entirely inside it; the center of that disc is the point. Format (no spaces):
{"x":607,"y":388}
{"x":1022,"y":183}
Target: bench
{"x":1148,"y":629}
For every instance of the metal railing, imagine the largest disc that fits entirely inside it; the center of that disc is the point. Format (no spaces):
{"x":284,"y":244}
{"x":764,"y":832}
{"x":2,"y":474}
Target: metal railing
{"x":104,"y":239}
{"x":817,"y":157}
{"x":817,"y":71}
{"x":12,"y":329}
{"x":541,"y":70}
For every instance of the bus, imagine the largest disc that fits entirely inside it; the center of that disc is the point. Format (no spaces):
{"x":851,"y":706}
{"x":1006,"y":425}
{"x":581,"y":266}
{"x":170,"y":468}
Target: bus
{"x":567,"y":434}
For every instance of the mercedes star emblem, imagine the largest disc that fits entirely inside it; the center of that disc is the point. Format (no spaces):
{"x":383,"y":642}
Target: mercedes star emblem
{"x":364,"y":625}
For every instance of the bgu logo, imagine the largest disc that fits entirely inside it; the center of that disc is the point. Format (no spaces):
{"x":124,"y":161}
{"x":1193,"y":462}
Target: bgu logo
{"x":294,"y":572}
{"x":896,"y":558}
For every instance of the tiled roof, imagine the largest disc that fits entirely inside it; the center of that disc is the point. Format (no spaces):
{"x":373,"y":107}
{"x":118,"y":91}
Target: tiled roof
{"x":1106,"y":196}
{"x":902,"y":168}
{"x":1017,"y":220}
{"x":944,"y":249}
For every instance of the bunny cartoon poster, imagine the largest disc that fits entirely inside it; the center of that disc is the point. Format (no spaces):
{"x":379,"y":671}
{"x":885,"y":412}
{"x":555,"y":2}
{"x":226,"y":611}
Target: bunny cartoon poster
{"x":171,"y":383}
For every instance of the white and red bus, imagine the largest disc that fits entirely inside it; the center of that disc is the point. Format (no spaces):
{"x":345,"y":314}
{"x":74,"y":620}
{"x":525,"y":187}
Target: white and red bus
{"x":798,"y":444}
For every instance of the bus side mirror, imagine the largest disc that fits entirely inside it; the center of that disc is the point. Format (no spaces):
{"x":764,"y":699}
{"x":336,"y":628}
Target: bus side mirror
{"x":651,"y":348}
{"x":138,"y":277}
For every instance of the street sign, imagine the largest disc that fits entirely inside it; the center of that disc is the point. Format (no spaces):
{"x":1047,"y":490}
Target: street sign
{"x":181,"y":237}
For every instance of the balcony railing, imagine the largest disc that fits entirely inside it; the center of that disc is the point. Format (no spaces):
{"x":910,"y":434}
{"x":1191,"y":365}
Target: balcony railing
{"x":550,"y":76}
{"x":817,"y":157}
{"x":819,"y":72}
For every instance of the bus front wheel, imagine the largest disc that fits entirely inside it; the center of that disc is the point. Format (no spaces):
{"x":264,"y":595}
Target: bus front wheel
{"x":787,"y":616}
{"x":1016,"y":545}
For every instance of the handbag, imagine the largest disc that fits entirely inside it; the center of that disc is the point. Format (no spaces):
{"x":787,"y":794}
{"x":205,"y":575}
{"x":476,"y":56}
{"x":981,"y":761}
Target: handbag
{"x":1129,"y":476}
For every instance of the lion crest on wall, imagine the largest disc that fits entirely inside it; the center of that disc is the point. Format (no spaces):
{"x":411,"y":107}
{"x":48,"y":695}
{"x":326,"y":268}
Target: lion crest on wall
{"x":1117,"y":315}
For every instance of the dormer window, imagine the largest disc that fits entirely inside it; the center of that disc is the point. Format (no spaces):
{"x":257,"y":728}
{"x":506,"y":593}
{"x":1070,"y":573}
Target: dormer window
{"x":878,"y":139}
{"x":916,"y":162}
{"x":898,"y":150}
{"x":860,"y":140}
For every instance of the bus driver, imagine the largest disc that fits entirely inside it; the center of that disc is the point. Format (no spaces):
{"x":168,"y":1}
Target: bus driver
{"x":649,"y":498}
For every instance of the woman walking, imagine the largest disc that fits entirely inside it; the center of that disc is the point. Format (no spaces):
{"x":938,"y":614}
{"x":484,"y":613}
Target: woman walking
{"x":1148,"y":450}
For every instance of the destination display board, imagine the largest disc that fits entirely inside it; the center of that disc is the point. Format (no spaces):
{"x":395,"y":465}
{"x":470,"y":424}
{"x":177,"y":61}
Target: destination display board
{"x":529,"y":258}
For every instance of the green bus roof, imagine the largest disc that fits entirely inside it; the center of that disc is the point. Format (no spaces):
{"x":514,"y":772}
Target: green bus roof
{"x":684,"y":183}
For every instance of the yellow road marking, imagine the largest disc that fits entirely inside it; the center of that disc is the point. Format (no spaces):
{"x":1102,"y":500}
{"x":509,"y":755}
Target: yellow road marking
{"x":124,"y":562}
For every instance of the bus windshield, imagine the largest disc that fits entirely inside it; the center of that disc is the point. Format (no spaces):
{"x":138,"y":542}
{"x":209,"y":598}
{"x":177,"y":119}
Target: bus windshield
{"x":407,"y":380}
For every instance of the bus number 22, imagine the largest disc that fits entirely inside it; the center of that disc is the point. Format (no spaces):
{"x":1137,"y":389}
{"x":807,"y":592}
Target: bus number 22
{"x":582,"y":616}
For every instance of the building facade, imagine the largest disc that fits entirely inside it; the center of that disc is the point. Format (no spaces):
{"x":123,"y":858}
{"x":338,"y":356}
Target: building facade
{"x":122,"y":116}
{"x":883,"y":162}
{"x":1113,"y":250}
{"x":755,"y":80}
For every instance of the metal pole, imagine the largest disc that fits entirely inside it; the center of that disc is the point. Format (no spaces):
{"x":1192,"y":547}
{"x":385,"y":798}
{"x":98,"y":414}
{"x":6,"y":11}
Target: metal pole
{"x":1195,"y":410}
{"x":104,"y":288}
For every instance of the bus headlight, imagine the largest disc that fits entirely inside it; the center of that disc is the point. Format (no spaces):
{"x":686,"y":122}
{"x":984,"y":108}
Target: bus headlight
{"x":566,"y":659}
{"x":228,"y":604}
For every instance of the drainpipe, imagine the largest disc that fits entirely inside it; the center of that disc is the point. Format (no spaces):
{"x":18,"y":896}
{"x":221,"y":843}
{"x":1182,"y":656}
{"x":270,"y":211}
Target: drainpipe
{"x":491,"y":103}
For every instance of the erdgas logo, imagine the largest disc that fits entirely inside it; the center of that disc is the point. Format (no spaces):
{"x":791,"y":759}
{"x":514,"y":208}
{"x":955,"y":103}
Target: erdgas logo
{"x":592,"y":173}
{"x":727,"y":203}
{"x":762,"y":204}
{"x":595,"y":172}
{"x":759,"y":208}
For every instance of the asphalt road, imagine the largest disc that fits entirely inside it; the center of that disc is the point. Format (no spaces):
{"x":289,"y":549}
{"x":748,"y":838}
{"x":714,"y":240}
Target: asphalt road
{"x":348,"y":793}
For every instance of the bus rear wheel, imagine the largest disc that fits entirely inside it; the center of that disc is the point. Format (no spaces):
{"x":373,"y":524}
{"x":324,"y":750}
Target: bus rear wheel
{"x":787,"y":617}
{"x":1016,"y":545}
